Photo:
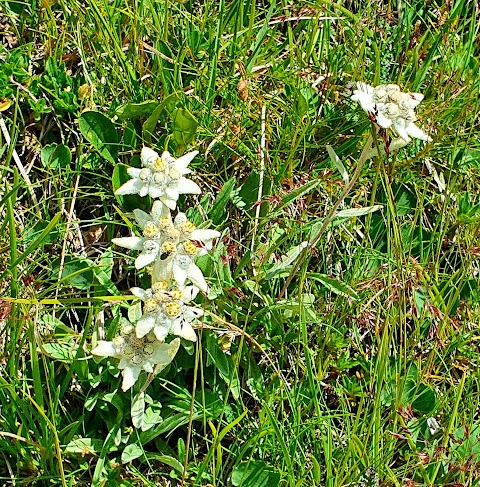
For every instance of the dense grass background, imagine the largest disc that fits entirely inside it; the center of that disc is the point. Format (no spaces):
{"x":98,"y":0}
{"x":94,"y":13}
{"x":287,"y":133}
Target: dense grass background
{"x":329,"y":383}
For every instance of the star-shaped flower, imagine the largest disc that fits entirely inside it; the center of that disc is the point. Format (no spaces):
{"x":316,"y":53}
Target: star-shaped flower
{"x":391,"y":108}
{"x":161,"y":177}
{"x":170,"y":245}
{"x":137,"y":354}
{"x":165,"y":311}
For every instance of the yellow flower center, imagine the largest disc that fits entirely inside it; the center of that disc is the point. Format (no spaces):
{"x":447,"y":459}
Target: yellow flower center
{"x":150,"y":305}
{"x":187,"y":227}
{"x":172,"y":309}
{"x":159,"y":164}
{"x":190,"y":248}
{"x":176,"y":294}
{"x":150,"y":230}
{"x":159,"y":286}
{"x":168,"y":247}
{"x":164,"y":222}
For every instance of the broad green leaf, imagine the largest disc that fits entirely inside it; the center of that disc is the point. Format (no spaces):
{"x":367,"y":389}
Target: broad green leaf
{"x":224,"y":364}
{"x":218,"y":211}
{"x":167,"y":460}
{"x":254,"y":474}
{"x":138,"y":409}
{"x":424,"y":400}
{"x":356,"y":212}
{"x":101,"y":133}
{"x":131,"y":452}
{"x":334,"y":285}
{"x":56,"y":156}
{"x":134,"y":110}
{"x":83,"y":446}
{"x":184,"y":127}
{"x":151,"y":122}
{"x":64,"y":352}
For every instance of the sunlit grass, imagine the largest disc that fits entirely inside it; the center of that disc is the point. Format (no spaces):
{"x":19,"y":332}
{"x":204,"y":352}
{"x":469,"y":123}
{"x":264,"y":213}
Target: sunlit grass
{"x":329,"y":383}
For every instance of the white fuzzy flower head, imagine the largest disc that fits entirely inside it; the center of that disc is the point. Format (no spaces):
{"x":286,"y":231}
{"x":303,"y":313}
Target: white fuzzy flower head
{"x":165,"y":311}
{"x":137,"y":354}
{"x":161,"y":177}
{"x":171,"y":246}
{"x":391,"y":108}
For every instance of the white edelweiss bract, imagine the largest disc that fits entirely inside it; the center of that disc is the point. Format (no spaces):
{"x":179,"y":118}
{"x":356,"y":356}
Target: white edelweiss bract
{"x":165,"y":311}
{"x":161,"y":177}
{"x":153,"y":240}
{"x":391,"y":108}
{"x":137,"y":354}
{"x":180,"y":266}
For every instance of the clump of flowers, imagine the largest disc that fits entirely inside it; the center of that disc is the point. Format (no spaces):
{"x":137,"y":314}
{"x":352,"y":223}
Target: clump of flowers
{"x":392,"y":108}
{"x":168,"y":249}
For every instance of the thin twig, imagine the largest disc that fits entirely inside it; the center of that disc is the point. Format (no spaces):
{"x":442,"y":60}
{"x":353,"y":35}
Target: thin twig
{"x":331,"y":215}
{"x":261,"y":175}
{"x":18,"y":162}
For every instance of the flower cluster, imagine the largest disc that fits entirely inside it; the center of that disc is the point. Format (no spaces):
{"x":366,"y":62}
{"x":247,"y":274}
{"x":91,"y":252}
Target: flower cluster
{"x":168,"y":248}
{"x":392,"y":108}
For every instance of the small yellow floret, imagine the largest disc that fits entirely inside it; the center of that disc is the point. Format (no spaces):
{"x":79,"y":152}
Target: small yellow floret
{"x":190,"y":248}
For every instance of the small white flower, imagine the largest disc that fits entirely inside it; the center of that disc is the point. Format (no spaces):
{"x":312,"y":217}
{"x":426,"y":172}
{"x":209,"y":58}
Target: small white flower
{"x":137,"y":354}
{"x":165,"y":311}
{"x":170,"y":245}
{"x":181,"y":266}
{"x":391,"y":108}
{"x":161,"y":177}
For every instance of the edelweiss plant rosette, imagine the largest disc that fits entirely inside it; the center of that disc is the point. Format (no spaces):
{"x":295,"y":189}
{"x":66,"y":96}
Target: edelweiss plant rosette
{"x":168,"y":249}
{"x":392,"y":108}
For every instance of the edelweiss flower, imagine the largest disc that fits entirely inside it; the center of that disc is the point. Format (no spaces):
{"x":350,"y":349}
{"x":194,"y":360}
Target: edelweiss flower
{"x":391,"y":108}
{"x":171,"y":246}
{"x":161,"y":177}
{"x":137,"y":354}
{"x":166,"y":311}
{"x":154,"y":228}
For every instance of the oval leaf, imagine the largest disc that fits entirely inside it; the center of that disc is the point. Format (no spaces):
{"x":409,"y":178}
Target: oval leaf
{"x":101,"y":133}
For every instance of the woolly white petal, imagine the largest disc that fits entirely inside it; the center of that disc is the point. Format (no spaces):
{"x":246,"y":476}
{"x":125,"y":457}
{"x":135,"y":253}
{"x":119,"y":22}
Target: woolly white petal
{"x":204,"y":234}
{"x":383,"y":121}
{"x":134,"y":186}
{"x":169,"y":203}
{"x":139,"y":293}
{"x":144,"y":190}
{"x":165,"y":352}
{"x":144,"y":259}
{"x":171,"y":193}
{"x":144,"y":325}
{"x":148,"y":156}
{"x":161,"y":331}
{"x":182,"y":162}
{"x":180,"y":218}
{"x":196,"y":276}
{"x":189,"y":293}
{"x":155,"y":191}
{"x":159,"y":210}
{"x":184,"y":329}
{"x":134,"y":172}
{"x":417,"y":132}
{"x":104,"y":349}
{"x":399,"y":127}
{"x":187,"y":186}
{"x":142,"y":217}
{"x":133,"y":243}
{"x":130,"y":376}
{"x":180,"y":275}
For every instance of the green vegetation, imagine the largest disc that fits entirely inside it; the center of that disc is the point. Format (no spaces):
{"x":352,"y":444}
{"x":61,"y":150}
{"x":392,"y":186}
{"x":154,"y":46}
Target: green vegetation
{"x":324,"y":366}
